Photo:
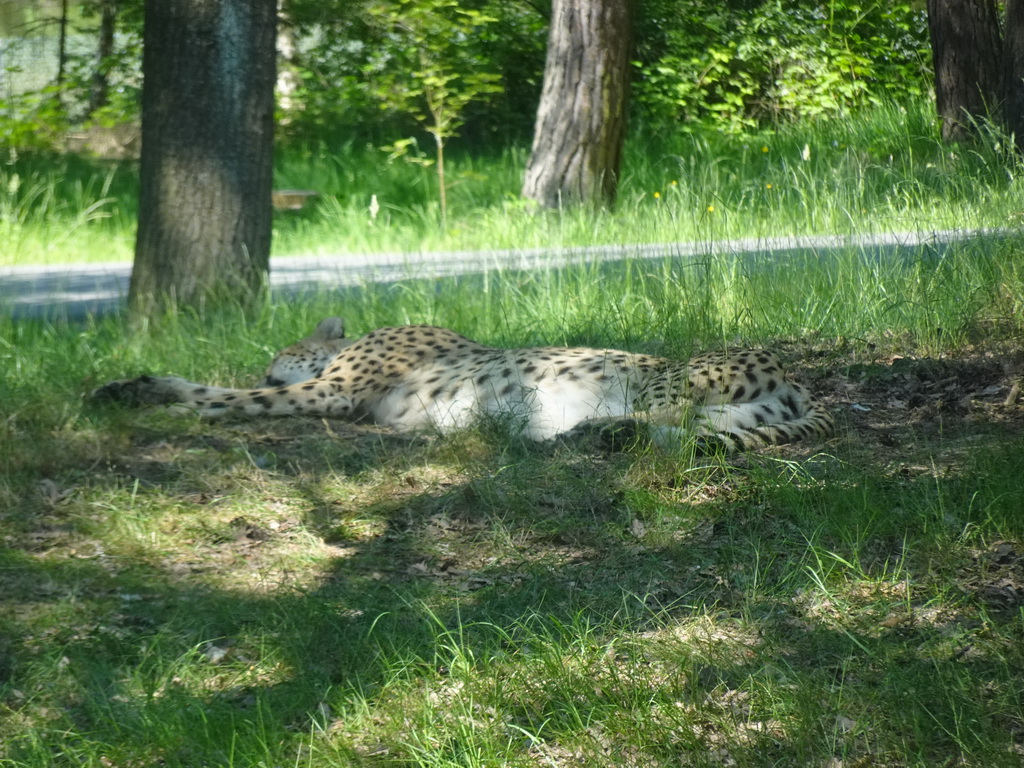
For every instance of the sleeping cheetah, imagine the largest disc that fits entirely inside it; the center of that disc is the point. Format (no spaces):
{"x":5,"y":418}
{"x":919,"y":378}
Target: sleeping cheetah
{"x":421,"y":377}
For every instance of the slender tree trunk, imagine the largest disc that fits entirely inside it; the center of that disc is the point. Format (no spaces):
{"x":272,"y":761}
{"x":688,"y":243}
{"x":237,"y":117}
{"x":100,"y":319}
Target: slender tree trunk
{"x":99,"y":92}
{"x":581,"y":121}
{"x":1013,"y":71}
{"x":966,"y":57}
{"x":62,"y":44}
{"x":288,"y":80}
{"x":442,"y":183}
{"x":207,"y":152}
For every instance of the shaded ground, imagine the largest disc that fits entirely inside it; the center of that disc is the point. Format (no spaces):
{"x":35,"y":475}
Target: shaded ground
{"x":900,"y":417}
{"x":329,"y":535}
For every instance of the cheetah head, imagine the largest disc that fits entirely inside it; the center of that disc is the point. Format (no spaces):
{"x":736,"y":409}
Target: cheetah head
{"x":307,"y":359}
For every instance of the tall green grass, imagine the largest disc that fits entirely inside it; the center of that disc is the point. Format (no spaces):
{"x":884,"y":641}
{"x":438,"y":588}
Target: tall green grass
{"x":927,"y":299}
{"x":883,"y":170}
{"x":178,"y":593}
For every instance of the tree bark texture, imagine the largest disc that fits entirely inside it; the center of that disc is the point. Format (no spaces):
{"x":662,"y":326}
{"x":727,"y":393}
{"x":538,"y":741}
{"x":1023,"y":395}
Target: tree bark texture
{"x":207,"y":153}
{"x":581,"y":120}
{"x":966,"y":57}
{"x":1013,"y":71}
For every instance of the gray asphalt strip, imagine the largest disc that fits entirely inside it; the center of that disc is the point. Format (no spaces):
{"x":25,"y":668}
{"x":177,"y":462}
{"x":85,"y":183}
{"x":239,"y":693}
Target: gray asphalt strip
{"x":76,"y":291}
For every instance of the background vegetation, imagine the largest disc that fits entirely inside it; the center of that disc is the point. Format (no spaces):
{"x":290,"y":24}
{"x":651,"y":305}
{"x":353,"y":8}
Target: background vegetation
{"x":749,"y":120}
{"x":733,"y":65}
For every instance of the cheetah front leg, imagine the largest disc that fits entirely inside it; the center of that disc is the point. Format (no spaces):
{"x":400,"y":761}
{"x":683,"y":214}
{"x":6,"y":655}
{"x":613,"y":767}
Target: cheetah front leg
{"x":146,"y":390}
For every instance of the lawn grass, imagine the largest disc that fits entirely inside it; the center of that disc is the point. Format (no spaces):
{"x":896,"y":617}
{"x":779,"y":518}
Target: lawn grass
{"x":307,"y":592}
{"x":881,"y":171}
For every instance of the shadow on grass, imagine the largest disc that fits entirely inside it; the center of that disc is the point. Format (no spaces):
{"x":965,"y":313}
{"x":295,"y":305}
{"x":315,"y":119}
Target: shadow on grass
{"x":636,"y":607}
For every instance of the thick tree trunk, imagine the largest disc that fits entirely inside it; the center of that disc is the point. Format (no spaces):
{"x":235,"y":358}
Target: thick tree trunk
{"x":207,"y":152}
{"x":966,"y":58}
{"x":1013,"y":71}
{"x":581,"y":121}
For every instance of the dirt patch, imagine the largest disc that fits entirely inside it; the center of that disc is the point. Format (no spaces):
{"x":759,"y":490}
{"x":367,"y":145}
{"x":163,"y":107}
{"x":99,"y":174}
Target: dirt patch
{"x":893,"y":405}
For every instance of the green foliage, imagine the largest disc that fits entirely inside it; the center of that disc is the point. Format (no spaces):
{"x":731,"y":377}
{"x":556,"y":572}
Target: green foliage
{"x":430,"y":72}
{"x":346,"y":47}
{"x":739,"y":65}
{"x":33,"y":119}
{"x":35,"y":112}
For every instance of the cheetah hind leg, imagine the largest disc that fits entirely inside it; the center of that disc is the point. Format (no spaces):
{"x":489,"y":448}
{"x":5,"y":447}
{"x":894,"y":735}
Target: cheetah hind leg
{"x":704,"y":443}
{"x":610,"y":436}
{"x":615,"y":436}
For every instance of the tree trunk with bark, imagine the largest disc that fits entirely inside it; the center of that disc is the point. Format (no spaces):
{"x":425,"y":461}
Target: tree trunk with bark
{"x":207,"y":153}
{"x":966,"y":57}
{"x":581,"y":120}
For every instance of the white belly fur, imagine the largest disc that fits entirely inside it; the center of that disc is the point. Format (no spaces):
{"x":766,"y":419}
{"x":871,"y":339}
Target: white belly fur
{"x":544,"y":405}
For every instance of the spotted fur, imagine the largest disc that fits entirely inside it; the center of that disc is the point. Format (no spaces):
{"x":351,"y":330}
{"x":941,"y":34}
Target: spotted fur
{"x":307,"y":359}
{"x":422,"y":377}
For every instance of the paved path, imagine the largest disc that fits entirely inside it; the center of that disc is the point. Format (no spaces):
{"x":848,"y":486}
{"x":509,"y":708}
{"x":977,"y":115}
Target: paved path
{"x":74,"y":291}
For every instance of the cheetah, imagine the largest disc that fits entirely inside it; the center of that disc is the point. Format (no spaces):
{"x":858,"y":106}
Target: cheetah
{"x":420,"y":377}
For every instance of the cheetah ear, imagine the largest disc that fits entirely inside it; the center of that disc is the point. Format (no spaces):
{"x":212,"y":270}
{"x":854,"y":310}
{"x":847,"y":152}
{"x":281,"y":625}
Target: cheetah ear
{"x":330,"y":328}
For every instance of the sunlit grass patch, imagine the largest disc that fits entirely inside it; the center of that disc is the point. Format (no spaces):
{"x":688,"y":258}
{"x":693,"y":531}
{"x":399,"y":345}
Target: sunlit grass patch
{"x":883,"y":170}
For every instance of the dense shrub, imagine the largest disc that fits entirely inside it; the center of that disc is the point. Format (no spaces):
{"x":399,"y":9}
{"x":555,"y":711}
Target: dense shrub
{"x":741,"y":63}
